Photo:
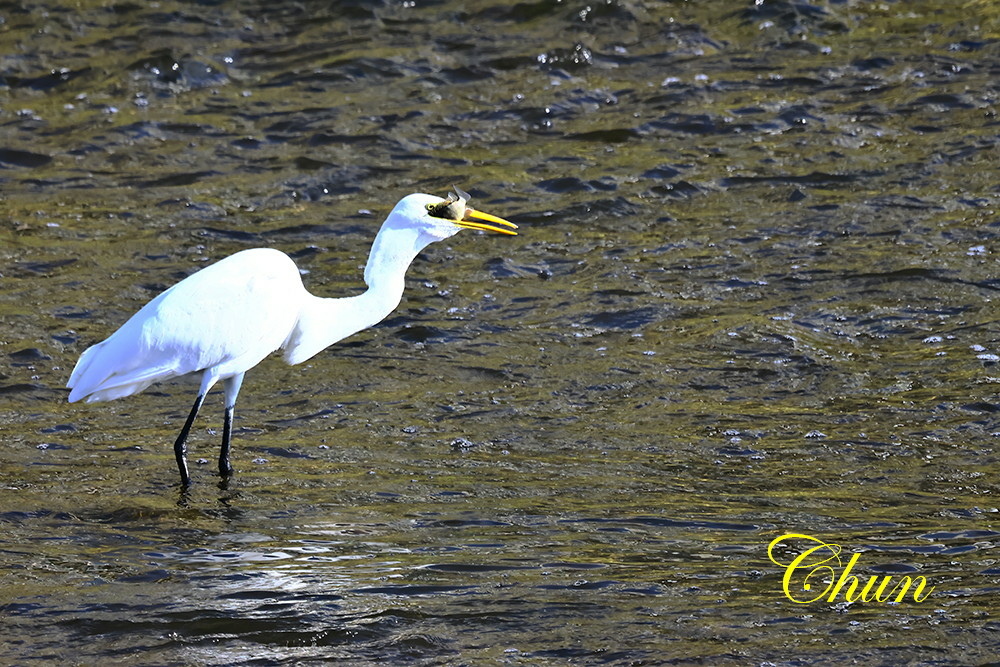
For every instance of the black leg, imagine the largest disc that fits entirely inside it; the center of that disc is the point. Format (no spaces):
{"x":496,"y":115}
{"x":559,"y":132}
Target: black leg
{"x":231,"y":386}
{"x":180,"y":448}
{"x":225,"y":468}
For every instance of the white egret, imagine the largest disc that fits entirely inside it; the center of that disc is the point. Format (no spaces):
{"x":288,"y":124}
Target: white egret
{"x":224,"y":319}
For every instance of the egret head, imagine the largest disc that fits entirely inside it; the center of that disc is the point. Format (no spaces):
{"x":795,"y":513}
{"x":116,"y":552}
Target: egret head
{"x":443,"y":217}
{"x":419,"y":220}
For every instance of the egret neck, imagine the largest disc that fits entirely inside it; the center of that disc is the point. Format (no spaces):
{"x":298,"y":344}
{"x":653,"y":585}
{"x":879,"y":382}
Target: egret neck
{"x":323,"y":322}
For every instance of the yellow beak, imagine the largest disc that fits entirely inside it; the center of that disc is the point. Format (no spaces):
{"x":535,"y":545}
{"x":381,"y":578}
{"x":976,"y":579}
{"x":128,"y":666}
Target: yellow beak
{"x":474,"y":219}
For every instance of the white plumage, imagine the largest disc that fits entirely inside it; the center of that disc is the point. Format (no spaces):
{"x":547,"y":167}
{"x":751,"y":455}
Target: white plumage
{"x":224,"y":319}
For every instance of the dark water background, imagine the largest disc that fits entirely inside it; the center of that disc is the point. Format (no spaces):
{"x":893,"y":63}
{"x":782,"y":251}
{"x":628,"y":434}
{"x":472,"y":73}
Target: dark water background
{"x":754,"y":295}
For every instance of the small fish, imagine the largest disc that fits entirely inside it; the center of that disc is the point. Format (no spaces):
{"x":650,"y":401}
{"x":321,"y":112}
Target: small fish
{"x":453,"y":207}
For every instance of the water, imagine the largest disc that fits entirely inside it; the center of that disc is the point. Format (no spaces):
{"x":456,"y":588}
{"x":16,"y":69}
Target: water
{"x":752,"y":296}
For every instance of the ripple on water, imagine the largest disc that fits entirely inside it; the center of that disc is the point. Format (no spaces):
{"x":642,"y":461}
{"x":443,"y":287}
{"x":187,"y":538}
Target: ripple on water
{"x":758,"y":223}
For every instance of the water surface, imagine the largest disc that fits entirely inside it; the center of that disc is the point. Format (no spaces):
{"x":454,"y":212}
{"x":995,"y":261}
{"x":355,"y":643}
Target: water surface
{"x":753,"y":296}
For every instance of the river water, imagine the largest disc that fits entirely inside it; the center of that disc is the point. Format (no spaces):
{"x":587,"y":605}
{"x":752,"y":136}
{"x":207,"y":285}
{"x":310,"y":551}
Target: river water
{"x":753,"y":296}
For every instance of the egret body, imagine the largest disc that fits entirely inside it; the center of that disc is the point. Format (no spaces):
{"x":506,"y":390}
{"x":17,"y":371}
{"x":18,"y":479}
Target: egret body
{"x":224,"y":319}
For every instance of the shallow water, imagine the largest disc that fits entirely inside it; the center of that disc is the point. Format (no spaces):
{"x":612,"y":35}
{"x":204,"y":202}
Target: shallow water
{"x":752,"y":296}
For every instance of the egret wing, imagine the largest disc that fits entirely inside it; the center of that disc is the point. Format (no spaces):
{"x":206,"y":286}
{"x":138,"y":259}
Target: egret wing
{"x":227,"y":317}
